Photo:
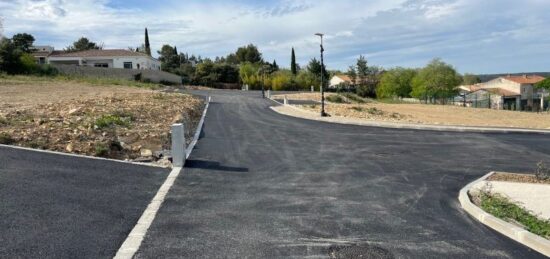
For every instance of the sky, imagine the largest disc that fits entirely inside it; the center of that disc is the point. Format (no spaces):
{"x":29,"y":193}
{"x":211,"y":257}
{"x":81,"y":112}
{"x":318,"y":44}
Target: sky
{"x":475,"y":36}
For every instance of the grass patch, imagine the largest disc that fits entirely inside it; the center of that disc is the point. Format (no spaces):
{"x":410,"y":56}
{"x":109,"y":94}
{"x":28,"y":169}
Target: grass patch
{"x":375,"y":111}
{"x":101,"y":150}
{"x":336,"y":98}
{"x":354,"y":97}
{"x":111,"y":120}
{"x":357,"y":108}
{"x":503,"y":208}
{"x":6,"y":139}
{"x":89,"y":80}
{"x":4,"y":121}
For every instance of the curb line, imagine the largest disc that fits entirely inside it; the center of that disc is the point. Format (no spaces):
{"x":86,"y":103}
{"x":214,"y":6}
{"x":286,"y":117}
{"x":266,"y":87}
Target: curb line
{"x":131,"y":245}
{"x":413,"y":126}
{"x":80,"y":156}
{"x":516,"y":233}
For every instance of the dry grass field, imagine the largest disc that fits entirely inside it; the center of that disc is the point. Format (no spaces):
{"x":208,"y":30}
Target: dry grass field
{"x":428,"y":114}
{"x":113,"y":121}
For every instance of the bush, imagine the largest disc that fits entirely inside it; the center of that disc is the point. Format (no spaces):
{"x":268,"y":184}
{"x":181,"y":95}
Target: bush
{"x":375,"y":111}
{"x":354,"y":98}
{"x":6,"y":139}
{"x":107,"y":121}
{"x":101,"y":150}
{"x":335,"y":98}
{"x":542,"y":172}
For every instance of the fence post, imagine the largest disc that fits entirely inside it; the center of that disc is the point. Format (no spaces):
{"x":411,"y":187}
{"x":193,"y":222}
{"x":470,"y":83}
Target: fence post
{"x":178,"y":145}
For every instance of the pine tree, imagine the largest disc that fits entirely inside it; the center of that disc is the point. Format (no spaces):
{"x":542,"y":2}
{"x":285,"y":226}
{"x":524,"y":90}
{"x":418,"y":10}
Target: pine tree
{"x":293,"y":66}
{"x":175,"y":50}
{"x":275,"y":66}
{"x":147,"y":45}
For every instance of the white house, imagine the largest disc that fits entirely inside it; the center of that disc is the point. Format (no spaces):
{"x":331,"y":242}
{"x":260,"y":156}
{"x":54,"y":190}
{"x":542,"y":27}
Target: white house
{"x":109,"y":58}
{"x":338,"y":80}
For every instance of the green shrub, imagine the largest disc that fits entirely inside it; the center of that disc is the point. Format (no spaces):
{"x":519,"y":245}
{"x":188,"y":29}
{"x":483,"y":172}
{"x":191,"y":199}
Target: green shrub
{"x":357,"y":108}
{"x":4,"y":121}
{"x":101,"y":150}
{"x":107,"y":121}
{"x":335,"y":98}
{"x":375,"y":111}
{"x":501,"y":207}
{"x":6,"y":139}
{"x":354,"y":97}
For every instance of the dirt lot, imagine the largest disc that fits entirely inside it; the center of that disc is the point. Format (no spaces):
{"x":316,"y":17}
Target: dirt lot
{"x":100,"y":120}
{"x":428,"y":114}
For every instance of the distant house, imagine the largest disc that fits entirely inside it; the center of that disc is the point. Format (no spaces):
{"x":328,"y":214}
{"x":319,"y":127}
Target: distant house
{"x":107,"y":58}
{"x":337,"y":80}
{"x":110,"y":58}
{"x":507,"y":92}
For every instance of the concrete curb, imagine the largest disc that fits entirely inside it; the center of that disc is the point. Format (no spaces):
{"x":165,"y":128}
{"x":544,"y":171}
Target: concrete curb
{"x":80,"y":156}
{"x":393,"y":125}
{"x":516,"y":233}
{"x":132,"y":243}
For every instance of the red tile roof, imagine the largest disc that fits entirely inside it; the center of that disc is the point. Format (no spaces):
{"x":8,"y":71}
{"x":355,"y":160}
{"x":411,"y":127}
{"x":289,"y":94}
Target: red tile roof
{"x":99,"y":53}
{"x":524,"y":79}
{"x":344,"y":77}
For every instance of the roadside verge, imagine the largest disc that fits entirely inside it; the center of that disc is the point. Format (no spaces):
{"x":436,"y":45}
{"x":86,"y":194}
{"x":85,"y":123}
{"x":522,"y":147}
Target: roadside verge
{"x":135,"y":238}
{"x":296,"y":112}
{"x":516,"y":233}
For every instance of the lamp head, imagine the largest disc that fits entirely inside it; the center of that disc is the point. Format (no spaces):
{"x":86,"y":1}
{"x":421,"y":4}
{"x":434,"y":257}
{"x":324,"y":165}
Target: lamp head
{"x":319,"y":34}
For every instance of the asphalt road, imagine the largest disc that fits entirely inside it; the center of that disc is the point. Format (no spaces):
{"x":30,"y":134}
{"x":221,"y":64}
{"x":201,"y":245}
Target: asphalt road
{"x":55,"y":206}
{"x":263,"y":185}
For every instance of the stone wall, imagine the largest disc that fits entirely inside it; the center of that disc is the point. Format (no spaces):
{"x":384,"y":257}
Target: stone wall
{"x":155,"y":76}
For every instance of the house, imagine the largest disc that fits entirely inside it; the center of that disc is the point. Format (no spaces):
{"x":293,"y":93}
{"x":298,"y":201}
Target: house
{"x":338,"y":80}
{"x":108,"y":58}
{"x":508,"y":92}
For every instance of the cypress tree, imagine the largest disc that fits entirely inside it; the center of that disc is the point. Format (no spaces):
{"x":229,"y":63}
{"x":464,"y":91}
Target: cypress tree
{"x":147,"y":45}
{"x":175,"y":50}
{"x":293,"y":67}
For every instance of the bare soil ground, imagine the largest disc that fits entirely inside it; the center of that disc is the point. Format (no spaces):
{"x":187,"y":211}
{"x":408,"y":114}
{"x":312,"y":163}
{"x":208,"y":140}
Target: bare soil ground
{"x":100,"y":120}
{"x":428,"y":114}
{"x":518,"y":178}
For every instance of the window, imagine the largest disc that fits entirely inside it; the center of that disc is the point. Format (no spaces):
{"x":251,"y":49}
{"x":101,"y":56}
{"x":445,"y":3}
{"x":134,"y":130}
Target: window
{"x":101,"y":65}
{"x":128,"y":65}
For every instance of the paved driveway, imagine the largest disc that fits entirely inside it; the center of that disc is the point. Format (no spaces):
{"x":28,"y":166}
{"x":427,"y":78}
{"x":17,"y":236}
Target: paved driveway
{"x":263,"y":185}
{"x":55,"y":206}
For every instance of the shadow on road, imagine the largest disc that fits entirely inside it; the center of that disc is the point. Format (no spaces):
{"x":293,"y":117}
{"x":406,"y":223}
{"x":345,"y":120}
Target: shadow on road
{"x":213,"y":166}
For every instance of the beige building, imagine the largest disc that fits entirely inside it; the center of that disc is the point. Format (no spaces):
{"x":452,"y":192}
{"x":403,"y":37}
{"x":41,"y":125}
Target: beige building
{"x":507,"y":92}
{"x":337,"y":80}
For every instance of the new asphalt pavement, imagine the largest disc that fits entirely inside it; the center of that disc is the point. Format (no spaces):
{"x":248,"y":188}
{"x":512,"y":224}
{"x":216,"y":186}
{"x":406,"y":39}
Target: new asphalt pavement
{"x":263,"y":185}
{"x":57,"y":206}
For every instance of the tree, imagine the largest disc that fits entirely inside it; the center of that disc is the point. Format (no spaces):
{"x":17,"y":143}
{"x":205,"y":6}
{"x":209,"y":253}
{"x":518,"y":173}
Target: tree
{"x":275,"y":66}
{"x":314,"y":67}
{"x":470,"y":79}
{"x":147,"y":44}
{"x":248,"y":74}
{"x":396,"y":82}
{"x":438,"y":80}
{"x":23,"y":41}
{"x":544,"y":84}
{"x":293,"y":67}
{"x":362,"y":70}
{"x":9,"y":57}
{"x":248,"y":53}
{"x":83,"y":44}
{"x":352,"y":73}
{"x":169,"y":60}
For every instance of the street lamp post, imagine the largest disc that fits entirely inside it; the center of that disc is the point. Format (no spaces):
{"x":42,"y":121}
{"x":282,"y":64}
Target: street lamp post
{"x":323,"y":114}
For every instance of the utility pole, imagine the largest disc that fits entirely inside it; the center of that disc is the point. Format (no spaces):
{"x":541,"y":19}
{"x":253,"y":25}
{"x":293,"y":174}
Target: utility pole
{"x":323,"y":114}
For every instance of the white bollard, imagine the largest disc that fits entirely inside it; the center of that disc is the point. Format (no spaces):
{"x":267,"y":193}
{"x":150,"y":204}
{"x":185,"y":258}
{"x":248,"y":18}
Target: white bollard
{"x":312,"y":89}
{"x":269,"y":94}
{"x":178,"y":145}
{"x":285,"y":100}
{"x":247,"y":87}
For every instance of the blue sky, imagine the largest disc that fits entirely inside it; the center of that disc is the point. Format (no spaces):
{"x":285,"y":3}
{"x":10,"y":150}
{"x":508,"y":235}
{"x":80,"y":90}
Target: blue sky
{"x":476,"y":36}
